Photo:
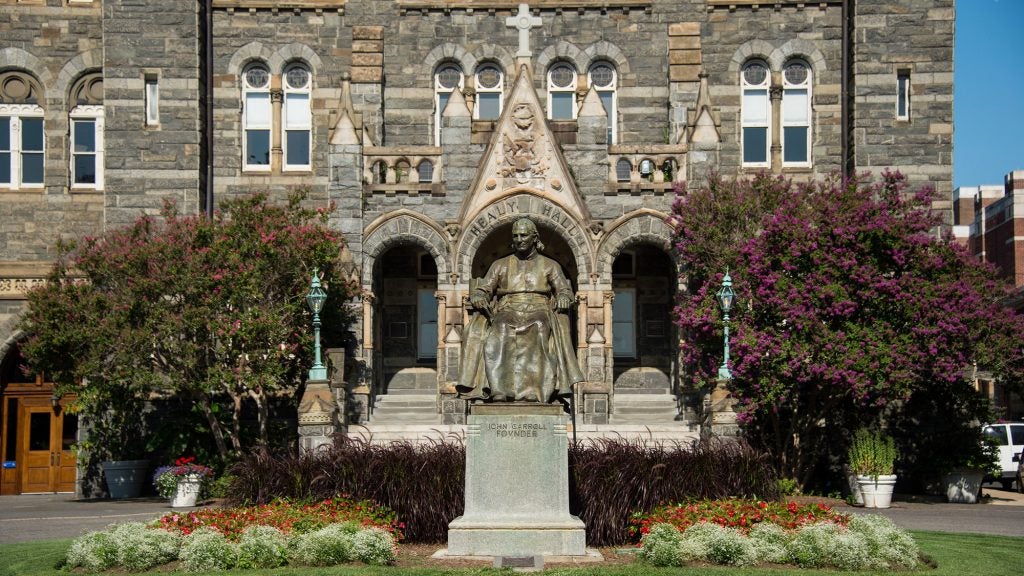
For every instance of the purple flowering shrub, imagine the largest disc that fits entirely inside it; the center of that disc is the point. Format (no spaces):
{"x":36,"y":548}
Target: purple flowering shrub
{"x":849,"y":308}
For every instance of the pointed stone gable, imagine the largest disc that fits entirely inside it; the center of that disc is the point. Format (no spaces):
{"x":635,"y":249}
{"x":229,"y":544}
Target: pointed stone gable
{"x":523,"y":156}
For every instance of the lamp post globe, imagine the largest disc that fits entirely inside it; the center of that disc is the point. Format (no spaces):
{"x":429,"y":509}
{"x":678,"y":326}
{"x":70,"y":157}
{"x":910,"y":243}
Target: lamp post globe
{"x":315,"y":300}
{"x":726,"y":297}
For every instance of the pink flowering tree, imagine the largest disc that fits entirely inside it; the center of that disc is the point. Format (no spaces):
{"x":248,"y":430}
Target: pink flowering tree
{"x":850,"y":311}
{"x":206,"y":312}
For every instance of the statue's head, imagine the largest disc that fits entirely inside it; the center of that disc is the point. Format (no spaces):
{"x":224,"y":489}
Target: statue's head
{"x":524,"y":236}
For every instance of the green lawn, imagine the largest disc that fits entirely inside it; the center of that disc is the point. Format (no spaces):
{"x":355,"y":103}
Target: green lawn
{"x":955,"y":555}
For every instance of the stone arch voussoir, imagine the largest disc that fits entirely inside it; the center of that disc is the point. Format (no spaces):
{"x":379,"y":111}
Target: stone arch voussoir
{"x":249,"y":53}
{"x":404,"y":229}
{"x":543,"y":212}
{"x":645,"y":227}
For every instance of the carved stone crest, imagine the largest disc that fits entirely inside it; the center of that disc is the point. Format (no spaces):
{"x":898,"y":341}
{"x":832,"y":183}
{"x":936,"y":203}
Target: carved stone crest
{"x":519,"y":145}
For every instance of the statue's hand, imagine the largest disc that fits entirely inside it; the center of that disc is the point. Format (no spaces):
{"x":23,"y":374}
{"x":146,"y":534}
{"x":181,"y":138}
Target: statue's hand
{"x":479,"y":301}
{"x":563,"y":302}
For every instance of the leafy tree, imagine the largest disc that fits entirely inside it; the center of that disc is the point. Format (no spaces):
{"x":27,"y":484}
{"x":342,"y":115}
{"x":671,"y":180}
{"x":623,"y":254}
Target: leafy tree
{"x":211,"y":311}
{"x":850,"y":311}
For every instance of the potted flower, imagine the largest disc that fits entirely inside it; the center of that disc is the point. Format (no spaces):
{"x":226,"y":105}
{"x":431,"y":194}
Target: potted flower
{"x":872,"y":456}
{"x":183,"y":482}
{"x":967,"y":466}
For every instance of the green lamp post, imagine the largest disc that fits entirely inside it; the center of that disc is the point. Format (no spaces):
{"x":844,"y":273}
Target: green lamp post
{"x":725,"y":299}
{"x":315,"y":300}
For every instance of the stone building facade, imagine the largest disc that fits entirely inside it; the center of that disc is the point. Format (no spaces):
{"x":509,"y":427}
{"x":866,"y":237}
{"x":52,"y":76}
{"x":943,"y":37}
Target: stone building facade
{"x":431,"y":125}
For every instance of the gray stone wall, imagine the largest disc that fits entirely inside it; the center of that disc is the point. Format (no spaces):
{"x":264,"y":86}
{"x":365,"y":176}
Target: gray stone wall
{"x":147,"y":164}
{"x":55,"y":44}
{"x":916,"y":36}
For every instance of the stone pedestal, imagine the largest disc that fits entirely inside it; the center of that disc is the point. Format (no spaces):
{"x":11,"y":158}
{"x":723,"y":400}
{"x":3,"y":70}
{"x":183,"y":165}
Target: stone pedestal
{"x":721,"y":413}
{"x":517,"y":485}
{"x":316,"y":415}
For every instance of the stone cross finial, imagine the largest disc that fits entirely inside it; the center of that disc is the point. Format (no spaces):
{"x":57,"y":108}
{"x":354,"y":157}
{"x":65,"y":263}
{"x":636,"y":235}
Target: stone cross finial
{"x":524,"y":22}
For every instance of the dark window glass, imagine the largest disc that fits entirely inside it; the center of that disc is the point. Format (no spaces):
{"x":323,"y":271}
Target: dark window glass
{"x":622,"y":170}
{"x":426,"y":171}
{"x":32,"y":168}
{"x":607,"y":100}
{"x":11,"y":446}
{"x":1017,"y":434}
{"x":5,"y":133}
{"x":795,"y":138}
{"x":85,"y":135}
{"x":39,"y":431}
{"x":258,"y":147}
{"x":31,"y":134}
{"x":298,"y":147}
{"x":5,"y":167}
{"x":85,"y":169}
{"x":998,"y":433}
{"x":755,"y":145}
{"x":70,"y":431}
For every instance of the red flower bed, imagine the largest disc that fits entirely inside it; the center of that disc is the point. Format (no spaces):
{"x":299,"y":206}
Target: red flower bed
{"x":734,"y":513}
{"x":285,"y":515}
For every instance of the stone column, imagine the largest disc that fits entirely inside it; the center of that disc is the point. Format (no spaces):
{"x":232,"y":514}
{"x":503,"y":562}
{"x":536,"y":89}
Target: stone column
{"x":775,"y":94}
{"x":276,"y":99}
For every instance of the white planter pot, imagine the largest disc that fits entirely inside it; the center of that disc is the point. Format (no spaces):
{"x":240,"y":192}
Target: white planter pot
{"x":877,"y":492}
{"x":963,"y":486}
{"x":188,"y":491}
{"x":858,"y":498}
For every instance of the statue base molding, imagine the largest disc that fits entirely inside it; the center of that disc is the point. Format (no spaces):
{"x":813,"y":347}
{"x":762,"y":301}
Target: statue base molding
{"x":517,"y":485}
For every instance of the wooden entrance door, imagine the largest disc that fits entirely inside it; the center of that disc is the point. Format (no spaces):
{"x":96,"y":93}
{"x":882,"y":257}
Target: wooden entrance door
{"x":46,"y":460}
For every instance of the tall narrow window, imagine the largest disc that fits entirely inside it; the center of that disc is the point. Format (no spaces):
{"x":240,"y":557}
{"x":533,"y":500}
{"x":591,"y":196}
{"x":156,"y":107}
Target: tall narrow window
{"x":489,"y":83}
{"x":562,"y":92}
{"x":903,"y":95}
{"x":624,"y":323}
{"x":796,"y":114}
{"x":86,"y":123}
{"x":603,"y":79}
{"x":256,"y":117}
{"x":152,"y":100}
{"x":298,"y":118}
{"x":446,"y":79}
{"x":755,"y":115}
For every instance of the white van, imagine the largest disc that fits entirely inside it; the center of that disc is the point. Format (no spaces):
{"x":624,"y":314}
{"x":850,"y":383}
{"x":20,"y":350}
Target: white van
{"x":1010,"y":438}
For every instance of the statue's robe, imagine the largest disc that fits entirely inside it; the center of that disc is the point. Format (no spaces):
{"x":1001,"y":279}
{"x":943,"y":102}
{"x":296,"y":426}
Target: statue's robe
{"x":520,"y":348}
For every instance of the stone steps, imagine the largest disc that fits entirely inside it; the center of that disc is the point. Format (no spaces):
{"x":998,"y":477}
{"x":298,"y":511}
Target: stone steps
{"x":407,"y":408}
{"x":644,"y":408}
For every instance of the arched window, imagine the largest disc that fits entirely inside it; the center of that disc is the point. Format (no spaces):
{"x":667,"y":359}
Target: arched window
{"x":796,"y":114}
{"x":426,"y":172}
{"x":647,"y":169}
{"x":561,"y":82}
{"x":298,"y":117}
{"x":756,"y":114}
{"x":22,"y":142}
{"x":489,"y":92}
{"x":623,"y":170}
{"x":447,"y":78}
{"x":256,"y":117}
{"x":603,"y":78}
{"x":86,"y":123}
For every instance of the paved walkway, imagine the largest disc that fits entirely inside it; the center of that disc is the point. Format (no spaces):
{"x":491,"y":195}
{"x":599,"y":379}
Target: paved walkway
{"x":48,"y":516}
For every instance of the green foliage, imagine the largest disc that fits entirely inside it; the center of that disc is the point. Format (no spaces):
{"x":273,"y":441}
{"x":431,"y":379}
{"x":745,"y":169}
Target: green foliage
{"x":660,"y":546}
{"x":872,"y":453}
{"x":130,"y":545}
{"x":208,"y":310}
{"x":788,"y":486}
{"x":207,"y":549}
{"x":262,"y":547}
{"x":888,"y":546}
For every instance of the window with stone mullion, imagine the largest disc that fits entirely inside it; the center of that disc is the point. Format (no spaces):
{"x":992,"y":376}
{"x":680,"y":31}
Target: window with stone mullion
{"x":796,"y":114}
{"x":256,"y":118}
{"x":755,"y":115}
{"x":22,"y":146}
{"x":298,"y":118}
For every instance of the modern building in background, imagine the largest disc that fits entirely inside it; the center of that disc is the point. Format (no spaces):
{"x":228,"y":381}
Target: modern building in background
{"x":989,"y":219}
{"x":432,"y":126}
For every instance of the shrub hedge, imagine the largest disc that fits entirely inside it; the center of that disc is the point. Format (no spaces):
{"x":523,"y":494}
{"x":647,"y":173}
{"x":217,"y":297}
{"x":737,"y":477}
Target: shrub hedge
{"x":424,"y":483}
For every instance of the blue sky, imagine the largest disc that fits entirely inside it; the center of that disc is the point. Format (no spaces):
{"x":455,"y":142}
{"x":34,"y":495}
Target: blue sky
{"x":988,"y":99}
